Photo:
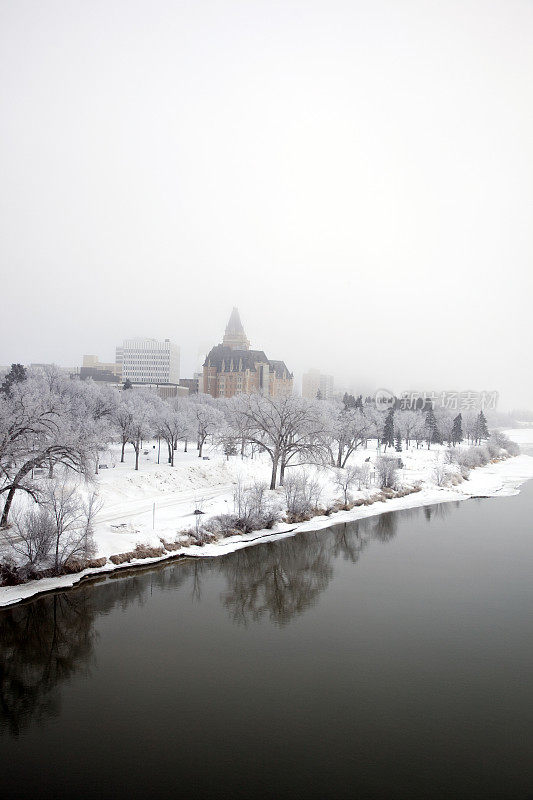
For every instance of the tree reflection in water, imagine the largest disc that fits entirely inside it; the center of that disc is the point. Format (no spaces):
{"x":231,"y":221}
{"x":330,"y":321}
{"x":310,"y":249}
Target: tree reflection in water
{"x":278,"y":579}
{"x":45,"y":642}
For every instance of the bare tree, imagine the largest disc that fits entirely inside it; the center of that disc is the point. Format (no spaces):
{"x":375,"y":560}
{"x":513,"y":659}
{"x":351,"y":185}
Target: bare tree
{"x":209,"y":419}
{"x":344,"y":480}
{"x":302,"y":494}
{"x":73,"y":521}
{"x":31,"y":535}
{"x":44,"y":419}
{"x":144,"y":407}
{"x":287,"y":428}
{"x":387,"y":469}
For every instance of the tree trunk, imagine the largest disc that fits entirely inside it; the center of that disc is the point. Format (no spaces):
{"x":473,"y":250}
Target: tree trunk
{"x":137,"y":448}
{"x":57,"y":552}
{"x":185,"y":448}
{"x":200,"y":447}
{"x":7,"y":506}
{"x":274,"y":472}
{"x":21,"y":474}
{"x":122,"y":453}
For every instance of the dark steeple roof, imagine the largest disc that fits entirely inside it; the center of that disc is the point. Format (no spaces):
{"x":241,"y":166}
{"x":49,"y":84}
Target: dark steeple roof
{"x":226,"y":355}
{"x":235,"y":336}
{"x":224,"y":358}
{"x":280,"y":368}
{"x":234,"y":354}
{"x":234,"y":325}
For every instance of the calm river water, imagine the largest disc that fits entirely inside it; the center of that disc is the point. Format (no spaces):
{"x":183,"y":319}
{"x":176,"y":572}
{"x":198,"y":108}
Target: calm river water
{"x":391,"y":658}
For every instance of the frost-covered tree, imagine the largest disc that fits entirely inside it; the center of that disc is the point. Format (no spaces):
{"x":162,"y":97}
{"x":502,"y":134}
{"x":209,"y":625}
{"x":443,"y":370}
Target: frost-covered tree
{"x":345,"y":479}
{"x":444,"y":420}
{"x":16,"y":374}
{"x":228,"y":439}
{"x":123,"y":422}
{"x":209,"y":419}
{"x":144,"y":408}
{"x":387,"y":436}
{"x":457,"y":430}
{"x":432,"y":435}
{"x":175,"y":423}
{"x":406,"y":422}
{"x":481,"y":430}
{"x":73,"y":521}
{"x":302,"y":494}
{"x":287,"y":428}
{"x":386,"y":467}
{"x":344,"y":431}
{"x":44,"y":421}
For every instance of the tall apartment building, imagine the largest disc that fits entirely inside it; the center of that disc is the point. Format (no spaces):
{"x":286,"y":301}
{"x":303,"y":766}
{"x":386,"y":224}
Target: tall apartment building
{"x":149,"y":361}
{"x":314,"y":382}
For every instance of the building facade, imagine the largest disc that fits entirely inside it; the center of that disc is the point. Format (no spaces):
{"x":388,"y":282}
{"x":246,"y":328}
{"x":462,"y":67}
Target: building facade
{"x":100,"y":371}
{"x":232,"y":368}
{"x":149,"y":361}
{"x":166,"y":391}
{"x":316,"y":384}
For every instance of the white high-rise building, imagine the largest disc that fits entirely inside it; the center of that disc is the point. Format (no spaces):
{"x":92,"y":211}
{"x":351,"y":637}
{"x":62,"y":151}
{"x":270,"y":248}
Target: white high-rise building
{"x":314,"y":382}
{"x":149,"y":361}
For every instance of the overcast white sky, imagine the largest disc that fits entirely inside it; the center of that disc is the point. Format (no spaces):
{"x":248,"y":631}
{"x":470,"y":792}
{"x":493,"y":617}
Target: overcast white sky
{"x":356,"y":176}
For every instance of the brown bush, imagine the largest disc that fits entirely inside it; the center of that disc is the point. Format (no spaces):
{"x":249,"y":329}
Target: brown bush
{"x":122,"y":558}
{"x":171,"y":546}
{"x":75,"y":565}
{"x":143,"y":551}
{"x":97,"y":562}
{"x":79,"y":564}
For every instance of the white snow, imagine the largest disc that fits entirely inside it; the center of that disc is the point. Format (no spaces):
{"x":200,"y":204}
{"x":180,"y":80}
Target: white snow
{"x":128,"y":516}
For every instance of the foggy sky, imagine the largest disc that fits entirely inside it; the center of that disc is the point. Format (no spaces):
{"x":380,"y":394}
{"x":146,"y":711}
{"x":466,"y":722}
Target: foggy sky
{"x":357,"y":177}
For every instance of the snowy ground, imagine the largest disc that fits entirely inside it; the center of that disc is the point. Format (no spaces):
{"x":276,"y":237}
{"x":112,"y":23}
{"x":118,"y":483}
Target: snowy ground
{"x":158,"y":502}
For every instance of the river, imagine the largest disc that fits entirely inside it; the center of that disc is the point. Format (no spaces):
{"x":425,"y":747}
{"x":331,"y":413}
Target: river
{"x":390,"y":658}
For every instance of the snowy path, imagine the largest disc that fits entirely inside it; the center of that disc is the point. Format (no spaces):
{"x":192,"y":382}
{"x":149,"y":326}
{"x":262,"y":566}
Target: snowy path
{"x":129,"y":509}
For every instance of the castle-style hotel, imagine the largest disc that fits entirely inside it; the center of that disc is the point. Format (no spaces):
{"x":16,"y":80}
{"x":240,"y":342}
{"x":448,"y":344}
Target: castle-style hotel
{"x":232,"y":368}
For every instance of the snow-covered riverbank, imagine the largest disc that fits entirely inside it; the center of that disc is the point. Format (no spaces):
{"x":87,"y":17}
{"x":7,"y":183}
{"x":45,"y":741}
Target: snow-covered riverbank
{"x":157,"y":503}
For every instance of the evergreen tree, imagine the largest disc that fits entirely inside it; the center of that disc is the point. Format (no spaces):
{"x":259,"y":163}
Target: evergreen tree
{"x":359,"y":402}
{"x":16,"y":374}
{"x":319,"y":395}
{"x":348,"y":400}
{"x":127,"y":384}
{"x":482,"y":432}
{"x":457,"y":430}
{"x":436,"y":437}
{"x":388,"y":429}
{"x":432,"y":433}
{"x":398,"y":445}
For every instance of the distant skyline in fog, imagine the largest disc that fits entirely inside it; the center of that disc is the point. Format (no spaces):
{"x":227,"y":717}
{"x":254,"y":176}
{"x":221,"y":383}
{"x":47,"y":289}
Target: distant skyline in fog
{"x":356,"y":177}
